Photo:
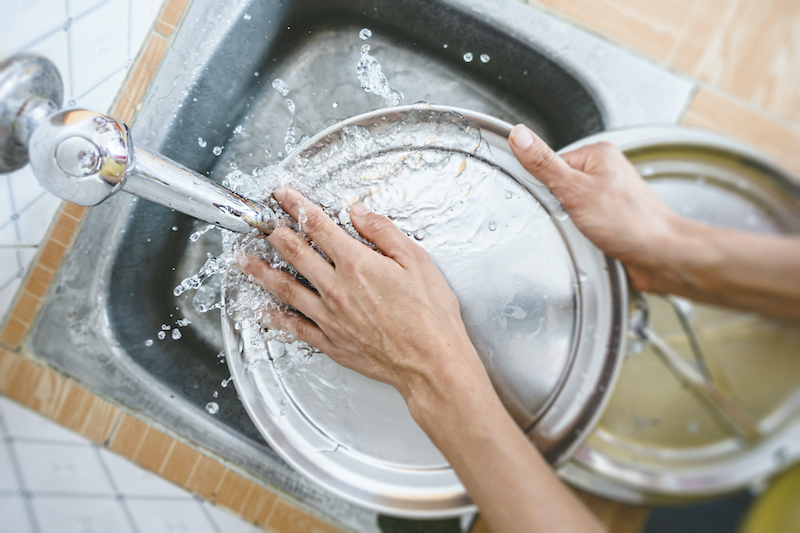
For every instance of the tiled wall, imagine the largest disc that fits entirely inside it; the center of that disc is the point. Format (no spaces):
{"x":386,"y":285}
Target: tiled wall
{"x":93,"y":43}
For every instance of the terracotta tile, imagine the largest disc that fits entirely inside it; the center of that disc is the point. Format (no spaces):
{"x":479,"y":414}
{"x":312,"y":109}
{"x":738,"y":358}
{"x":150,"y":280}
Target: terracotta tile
{"x":258,"y":505}
{"x":13,"y":332}
{"x":51,"y":255}
{"x":650,"y":27}
{"x":233,"y":491}
{"x":153,"y":450}
{"x":38,"y":281}
{"x":9,"y":362}
{"x":100,"y":421}
{"x":139,"y":77}
{"x":206,"y":478}
{"x":24,"y":380}
{"x":287,"y":518}
{"x":50,"y":393}
{"x":64,"y":229}
{"x":74,"y":210}
{"x":715,"y":111}
{"x":749,"y":48}
{"x":128,"y":436}
{"x":75,"y":408}
{"x":170,"y":16}
{"x":26,"y":306}
{"x":179,"y":463}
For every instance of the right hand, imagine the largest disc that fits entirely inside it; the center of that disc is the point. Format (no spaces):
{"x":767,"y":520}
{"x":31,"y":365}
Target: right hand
{"x":607,"y":200}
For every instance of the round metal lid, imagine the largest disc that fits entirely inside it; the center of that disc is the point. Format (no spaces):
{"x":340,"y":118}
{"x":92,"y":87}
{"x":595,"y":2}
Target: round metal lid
{"x":545,"y":309}
{"x":656,"y":442}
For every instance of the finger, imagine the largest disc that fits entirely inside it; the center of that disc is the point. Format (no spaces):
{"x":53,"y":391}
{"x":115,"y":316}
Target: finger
{"x":302,"y":328}
{"x":331,"y":239}
{"x":284,"y":286}
{"x":539,"y":159}
{"x":297,"y":252}
{"x":382,"y":232}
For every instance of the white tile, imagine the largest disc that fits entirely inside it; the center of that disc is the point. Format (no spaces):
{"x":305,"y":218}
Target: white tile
{"x":55,"y":48}
{"x":26,"y":20}
{"x":99,"y":45}
{"x":13,"y":517}
{"x":80,"y":515}
{"x":132,"y":480}
{"x":22,"y":423}
{"x":8,"y":478}
{"x":228,"y":522}
{"x":143,"y":15}
{"x":80,"y":7}
{"x":32,"y":209}
{"x":61,"y":468}
{"x":101,"y":97}
{"x":14,"y":263}
{"x":169,"y":516}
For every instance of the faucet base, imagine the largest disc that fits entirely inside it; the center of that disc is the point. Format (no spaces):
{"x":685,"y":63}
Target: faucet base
{"x":26,"y":81}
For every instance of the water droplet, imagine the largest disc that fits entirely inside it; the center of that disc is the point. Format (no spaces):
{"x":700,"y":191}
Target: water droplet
{"x":468,"y":57}
{"x":212,"y":408}
{"x":283,"y":413}
{"x":148,"y":342}
{"x":176,"y":334}
{"x":419,"y":234}
{"x":161,"y":335}
{"x":166,"y":327}
{"x":217,"y":150}
{"x":335,"y":104}
{"x":365,"y":34}
{"x":247,"y":16}
{"x":509,"y":195}
{"x":485,"y":58}
{"x":444,"y":45}
{"x":255,"y":74}
{"x":492,"y":226}
{"x":280,"y":86}
{"x":201,"y":142}
{"x":216,"y":394}
{"x":365,"y":48}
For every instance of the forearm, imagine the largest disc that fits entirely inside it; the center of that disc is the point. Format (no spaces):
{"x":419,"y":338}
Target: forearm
{"x":714,"y":265}
{"x":506,"y":477}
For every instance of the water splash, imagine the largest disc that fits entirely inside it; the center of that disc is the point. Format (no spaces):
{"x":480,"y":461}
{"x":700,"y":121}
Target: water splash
{"x":373,"y":80}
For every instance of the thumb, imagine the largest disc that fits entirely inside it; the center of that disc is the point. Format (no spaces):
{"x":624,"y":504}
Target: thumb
{"x":538,"y":158}
{"x":380,"y":231}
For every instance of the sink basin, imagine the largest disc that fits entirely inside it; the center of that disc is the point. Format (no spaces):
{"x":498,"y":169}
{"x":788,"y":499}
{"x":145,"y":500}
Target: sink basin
{"x":115,"y":292}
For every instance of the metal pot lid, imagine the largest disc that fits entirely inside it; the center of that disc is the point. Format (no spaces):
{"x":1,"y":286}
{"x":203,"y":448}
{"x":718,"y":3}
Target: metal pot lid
{"x":656,"y":443}
{"x":545,"y":309}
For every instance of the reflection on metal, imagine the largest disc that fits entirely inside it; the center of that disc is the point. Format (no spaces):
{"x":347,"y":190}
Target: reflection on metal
{"x":671,"y":433}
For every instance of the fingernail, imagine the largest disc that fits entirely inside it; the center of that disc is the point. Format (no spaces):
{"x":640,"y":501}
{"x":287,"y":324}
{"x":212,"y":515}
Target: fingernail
{"x":359,"y":210}
{"x":279,"y":194}
{"x":521,"y":137}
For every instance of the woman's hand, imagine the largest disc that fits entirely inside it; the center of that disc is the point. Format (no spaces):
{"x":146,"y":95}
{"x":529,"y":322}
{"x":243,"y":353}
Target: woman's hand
{"x":391,"y":317}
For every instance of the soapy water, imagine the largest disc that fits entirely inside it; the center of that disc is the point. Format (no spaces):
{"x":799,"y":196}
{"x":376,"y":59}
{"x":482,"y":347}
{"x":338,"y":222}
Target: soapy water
{"x":372,"y":77}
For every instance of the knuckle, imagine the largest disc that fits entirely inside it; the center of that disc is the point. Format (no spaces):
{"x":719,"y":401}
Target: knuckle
{"x":606,"y":148}
{"x":315,"y":222}
{"x":377,"y":223}
{"x":285,"y":289}
{"x":292,"y":248}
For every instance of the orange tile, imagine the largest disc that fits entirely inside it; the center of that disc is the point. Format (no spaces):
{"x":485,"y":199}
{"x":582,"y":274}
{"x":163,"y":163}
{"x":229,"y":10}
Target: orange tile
{"x":64,"y":229}
{"x":100,"y":421}
{"x":258,"y":505}
{"x":287,"y":518}
{"x":139,"y":77}
{"x":170,"y":16}
{"x":179,"y":463}
{"x":38,"y":281}
{"x":153,"y":449}
{"x":13,"y":332}
{"x":26,"y":306}
{"x":233,"y":491}
{"x":206,"y":478}
{"x":716,"y":111}
{"x":50,"y":393}
{"x":650,"y":27}
{"x":128,"y":436}
{"x":75,"y":408}
{"x":9,"y":362}
{"x":74,"y":210}
{"x":51,"y":255}
{"x":24,"y":380}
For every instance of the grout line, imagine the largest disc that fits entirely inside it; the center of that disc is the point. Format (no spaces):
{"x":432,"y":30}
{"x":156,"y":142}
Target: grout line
{"x":26,"y":495}
{"x":113,"y":430}
{"x":13,"y":207}
{"x":73,"y":495}
{"x":91,"y":9}
{"x":203,"y":509}
{"x":119,"y":497}
{"x":35,"y":440}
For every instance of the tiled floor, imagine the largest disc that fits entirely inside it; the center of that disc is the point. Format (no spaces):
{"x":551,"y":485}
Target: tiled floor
{"x":92,"y":42}
{"x":55,"y":481}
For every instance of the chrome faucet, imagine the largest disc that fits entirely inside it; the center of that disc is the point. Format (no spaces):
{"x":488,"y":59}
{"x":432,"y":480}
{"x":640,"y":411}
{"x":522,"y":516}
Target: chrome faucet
{"x":84,"y":157}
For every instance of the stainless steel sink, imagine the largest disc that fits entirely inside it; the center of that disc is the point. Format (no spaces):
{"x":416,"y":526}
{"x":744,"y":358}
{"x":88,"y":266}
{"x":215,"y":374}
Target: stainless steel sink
{"x":115,"y":291}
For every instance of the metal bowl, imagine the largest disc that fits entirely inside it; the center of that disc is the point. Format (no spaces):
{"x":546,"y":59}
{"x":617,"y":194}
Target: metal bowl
{"x":656,"y":443}
{"x":545,"y":309}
